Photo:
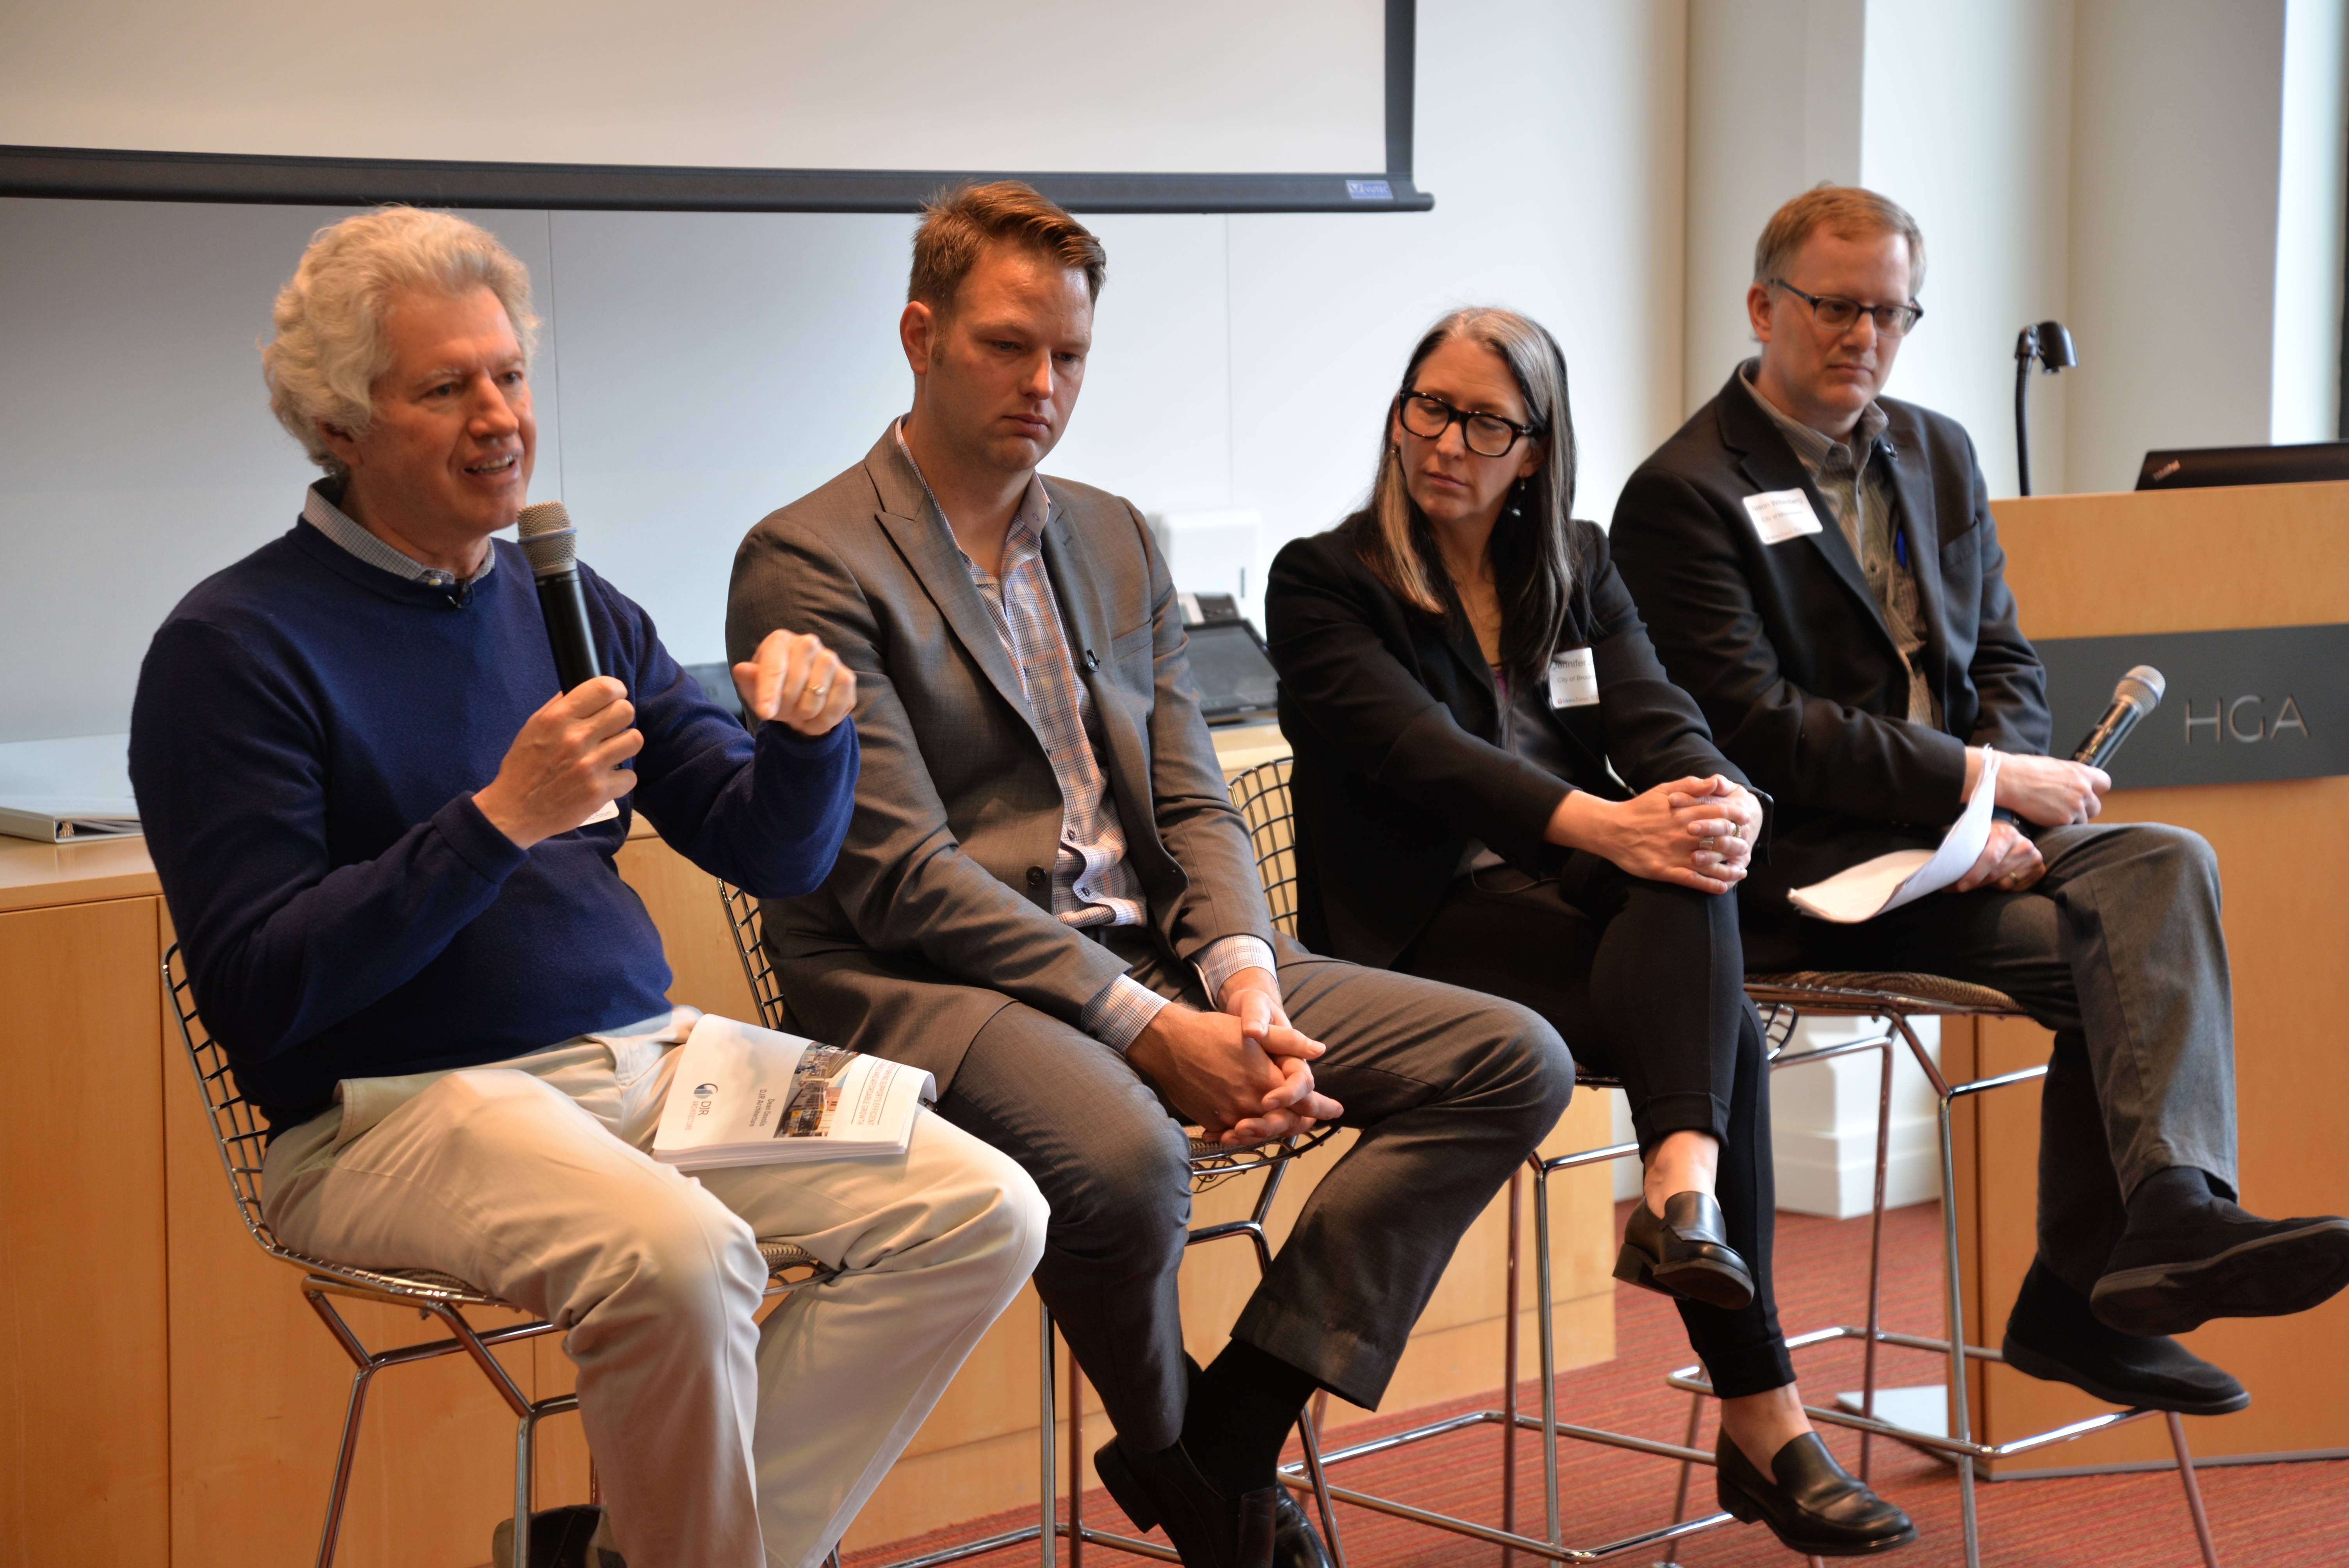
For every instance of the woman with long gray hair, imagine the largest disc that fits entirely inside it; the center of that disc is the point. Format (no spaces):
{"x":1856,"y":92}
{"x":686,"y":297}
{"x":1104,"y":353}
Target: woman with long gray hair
{"x":1496,"y":786}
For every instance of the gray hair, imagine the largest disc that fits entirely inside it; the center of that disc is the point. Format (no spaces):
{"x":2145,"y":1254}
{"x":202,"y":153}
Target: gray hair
{"x":329,"y":348}
{"x":1531,"y":546}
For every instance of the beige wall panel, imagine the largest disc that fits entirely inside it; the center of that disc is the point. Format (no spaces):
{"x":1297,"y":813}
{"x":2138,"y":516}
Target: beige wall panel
{"x":682,"y":898}
{"x":84,"y":1461}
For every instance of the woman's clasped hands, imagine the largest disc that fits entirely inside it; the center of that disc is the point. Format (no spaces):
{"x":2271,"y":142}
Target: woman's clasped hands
{"x":1691,"y":832}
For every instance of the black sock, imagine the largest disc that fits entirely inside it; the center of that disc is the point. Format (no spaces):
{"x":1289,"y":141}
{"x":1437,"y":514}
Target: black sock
{"x":1242,"y":1408}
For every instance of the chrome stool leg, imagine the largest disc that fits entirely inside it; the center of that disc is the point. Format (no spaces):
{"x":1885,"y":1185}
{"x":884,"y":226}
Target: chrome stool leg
{"x":2193,"y":1489}
{"x":1048,"y":1521}
{"x":1509,"y":1294}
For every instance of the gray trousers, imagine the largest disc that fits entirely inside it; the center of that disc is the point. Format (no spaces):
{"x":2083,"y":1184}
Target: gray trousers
{"x":2119,"y":950}
{"x":1448,"y":1089}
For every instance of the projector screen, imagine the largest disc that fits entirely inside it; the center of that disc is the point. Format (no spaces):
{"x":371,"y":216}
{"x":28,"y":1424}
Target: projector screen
{"x":1120,"y":105}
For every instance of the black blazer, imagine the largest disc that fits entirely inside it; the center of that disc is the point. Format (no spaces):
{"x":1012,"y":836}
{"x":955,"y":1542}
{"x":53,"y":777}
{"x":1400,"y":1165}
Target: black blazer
{"x":1395,"y":723}
{"x":1785,"y":647}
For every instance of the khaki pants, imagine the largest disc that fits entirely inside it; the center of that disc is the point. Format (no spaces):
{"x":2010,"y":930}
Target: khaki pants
{"x":721,"y":1442}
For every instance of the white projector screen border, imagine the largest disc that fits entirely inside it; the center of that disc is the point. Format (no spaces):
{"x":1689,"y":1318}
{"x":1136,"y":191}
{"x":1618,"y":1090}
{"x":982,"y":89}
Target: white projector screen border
{"x":106,"y":174}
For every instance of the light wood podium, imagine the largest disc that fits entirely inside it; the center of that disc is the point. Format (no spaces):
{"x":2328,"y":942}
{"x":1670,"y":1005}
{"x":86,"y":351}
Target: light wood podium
{"x":2192,"y":561}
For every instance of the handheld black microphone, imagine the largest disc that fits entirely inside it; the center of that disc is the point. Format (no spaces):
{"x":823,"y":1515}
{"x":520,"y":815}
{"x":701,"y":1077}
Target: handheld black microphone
{"x":2139,"y":694}
{"x":552,"y":546}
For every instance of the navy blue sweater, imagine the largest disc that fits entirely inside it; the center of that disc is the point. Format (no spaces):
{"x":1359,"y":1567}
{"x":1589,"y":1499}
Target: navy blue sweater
{"x":307,"y":738}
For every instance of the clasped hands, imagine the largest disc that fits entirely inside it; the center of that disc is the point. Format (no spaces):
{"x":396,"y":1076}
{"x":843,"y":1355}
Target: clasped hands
{"x":1691,"y":832}
{"x":1240,"y":1072}
{"x":2047,"y":791}
{"x":564,"y":765}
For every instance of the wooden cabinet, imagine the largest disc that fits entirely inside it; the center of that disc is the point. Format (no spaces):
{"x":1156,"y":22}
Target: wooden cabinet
{"x":84,"y":1452}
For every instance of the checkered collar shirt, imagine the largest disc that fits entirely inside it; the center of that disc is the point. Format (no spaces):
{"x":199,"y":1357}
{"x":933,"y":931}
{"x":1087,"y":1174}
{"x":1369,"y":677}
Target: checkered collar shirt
{"x":1092,"y":883}
{"x":1855,"y":479}
{"x":319,"y":511}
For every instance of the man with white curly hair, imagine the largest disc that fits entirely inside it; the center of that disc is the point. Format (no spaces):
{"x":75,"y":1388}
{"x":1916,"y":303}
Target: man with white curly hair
{"x":387,"y":844}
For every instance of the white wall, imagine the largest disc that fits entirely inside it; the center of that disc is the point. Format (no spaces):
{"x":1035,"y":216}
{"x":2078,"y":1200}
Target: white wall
{"x":700,"y":369}
{"x":2176,"y":143}
{"x":1958,"y":112}
{"x":1966,"y":124}
{"x":2304,"y":396}
{"x":1773,"y":107}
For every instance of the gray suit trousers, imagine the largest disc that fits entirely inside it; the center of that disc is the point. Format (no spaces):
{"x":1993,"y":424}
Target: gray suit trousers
{"x":1448,"y":1089}
{"x":2119,"y":950}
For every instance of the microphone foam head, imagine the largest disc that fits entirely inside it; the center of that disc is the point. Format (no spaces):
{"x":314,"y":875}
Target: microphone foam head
{"x":2142,"y":687}
{"x":548,"y":539}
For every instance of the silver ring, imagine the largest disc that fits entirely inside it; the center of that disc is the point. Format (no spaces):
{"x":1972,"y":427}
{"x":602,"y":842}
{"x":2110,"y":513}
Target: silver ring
{"x":817,"y":692}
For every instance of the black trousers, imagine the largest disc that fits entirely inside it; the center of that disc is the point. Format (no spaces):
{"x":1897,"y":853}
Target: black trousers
{"x":1645,"y":983}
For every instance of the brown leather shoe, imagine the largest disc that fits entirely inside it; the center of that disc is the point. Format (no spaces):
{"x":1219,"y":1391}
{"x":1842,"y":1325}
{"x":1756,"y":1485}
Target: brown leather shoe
{"x":1686,"y":1254}
{"x":1811,"y":1503}
{"x":1167,"y":1490}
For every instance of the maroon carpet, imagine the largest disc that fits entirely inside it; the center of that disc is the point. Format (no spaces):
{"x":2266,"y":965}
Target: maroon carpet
{"x":2258,"y":1514}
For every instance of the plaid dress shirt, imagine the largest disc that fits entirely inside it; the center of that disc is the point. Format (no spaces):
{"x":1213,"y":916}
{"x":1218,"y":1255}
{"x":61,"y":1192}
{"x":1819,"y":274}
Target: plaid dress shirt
{"x":1092,"y":883}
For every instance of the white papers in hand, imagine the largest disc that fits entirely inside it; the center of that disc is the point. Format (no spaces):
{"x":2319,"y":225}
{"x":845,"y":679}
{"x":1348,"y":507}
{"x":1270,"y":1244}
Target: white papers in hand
{"x":747,"y":1096}
{"x":1888,"y":881}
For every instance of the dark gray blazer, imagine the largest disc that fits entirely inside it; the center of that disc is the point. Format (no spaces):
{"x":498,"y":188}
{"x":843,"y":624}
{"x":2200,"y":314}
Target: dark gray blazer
{"x":1785,"y":649}
{"x":938,"y":914}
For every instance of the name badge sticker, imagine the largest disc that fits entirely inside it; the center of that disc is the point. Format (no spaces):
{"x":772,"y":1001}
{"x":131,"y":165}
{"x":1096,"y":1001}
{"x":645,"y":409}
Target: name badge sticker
{"x":1780,"y":515}
{"x":1573,"y":679}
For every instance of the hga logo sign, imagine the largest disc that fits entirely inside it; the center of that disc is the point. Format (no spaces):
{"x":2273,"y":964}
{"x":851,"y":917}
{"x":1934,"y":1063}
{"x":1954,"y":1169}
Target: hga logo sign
{"x":2241,"y":728}
{"x":2260,"y":703}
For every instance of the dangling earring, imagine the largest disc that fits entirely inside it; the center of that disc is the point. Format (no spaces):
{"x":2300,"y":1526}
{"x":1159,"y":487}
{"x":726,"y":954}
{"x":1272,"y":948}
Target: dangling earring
{"x":1517,"y":500}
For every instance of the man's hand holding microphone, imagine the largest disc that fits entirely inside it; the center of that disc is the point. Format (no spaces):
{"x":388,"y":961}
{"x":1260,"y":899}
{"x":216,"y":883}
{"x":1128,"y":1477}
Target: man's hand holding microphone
{"x":566,"y":765}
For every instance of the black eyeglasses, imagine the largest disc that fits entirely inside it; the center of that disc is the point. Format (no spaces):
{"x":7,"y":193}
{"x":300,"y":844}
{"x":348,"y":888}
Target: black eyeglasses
{"x":1837,"y":313}
{"x":1488,"y":435}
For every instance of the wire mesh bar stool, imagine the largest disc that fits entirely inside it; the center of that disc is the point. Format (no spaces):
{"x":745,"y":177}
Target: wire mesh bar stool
{"x":1895,"y":999}
{"x":1211,"y":1165}
{"x":1261,"y":794}
{"x":238,"y":1134}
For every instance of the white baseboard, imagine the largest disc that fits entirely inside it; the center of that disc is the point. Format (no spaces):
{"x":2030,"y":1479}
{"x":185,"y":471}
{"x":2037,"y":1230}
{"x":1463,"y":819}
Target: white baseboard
{"x":1833,"y":1174}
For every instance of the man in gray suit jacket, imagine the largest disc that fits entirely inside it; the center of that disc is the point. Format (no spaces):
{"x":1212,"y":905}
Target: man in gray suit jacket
{"x":1046,"y":900}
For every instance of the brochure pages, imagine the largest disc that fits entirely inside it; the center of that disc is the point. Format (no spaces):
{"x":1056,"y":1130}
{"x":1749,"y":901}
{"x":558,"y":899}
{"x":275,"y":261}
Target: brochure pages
{"x":747,"y":1096}
{"x":1888,"y":881}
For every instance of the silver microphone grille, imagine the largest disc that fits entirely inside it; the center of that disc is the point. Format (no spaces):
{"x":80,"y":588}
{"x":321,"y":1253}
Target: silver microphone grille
{"x":2142,"y":686}
{"x":545,"y":517}
{"x":548,"y":539}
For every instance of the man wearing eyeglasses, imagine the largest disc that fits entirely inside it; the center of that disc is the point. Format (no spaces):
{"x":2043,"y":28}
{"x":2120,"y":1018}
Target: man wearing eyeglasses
{"x":1820,"y":567}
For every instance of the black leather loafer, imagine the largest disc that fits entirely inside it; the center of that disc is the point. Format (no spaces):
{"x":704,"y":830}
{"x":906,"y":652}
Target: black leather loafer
{"x":1295,"y":1543}
{"x":1167,"y":1490}
{"x":1686,"y":1254}
{"x":1812,"y":1504}
{"x":2188,"y":1255}
{"x":2053,"y":1335}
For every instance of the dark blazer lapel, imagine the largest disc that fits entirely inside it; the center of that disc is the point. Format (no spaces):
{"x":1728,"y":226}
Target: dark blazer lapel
{"x":1771,"y":464}
{"x":928,"y":545}
{"x":1459,"y":638}
{"x":1076,"y":573}
{"x":1918,"y":525}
